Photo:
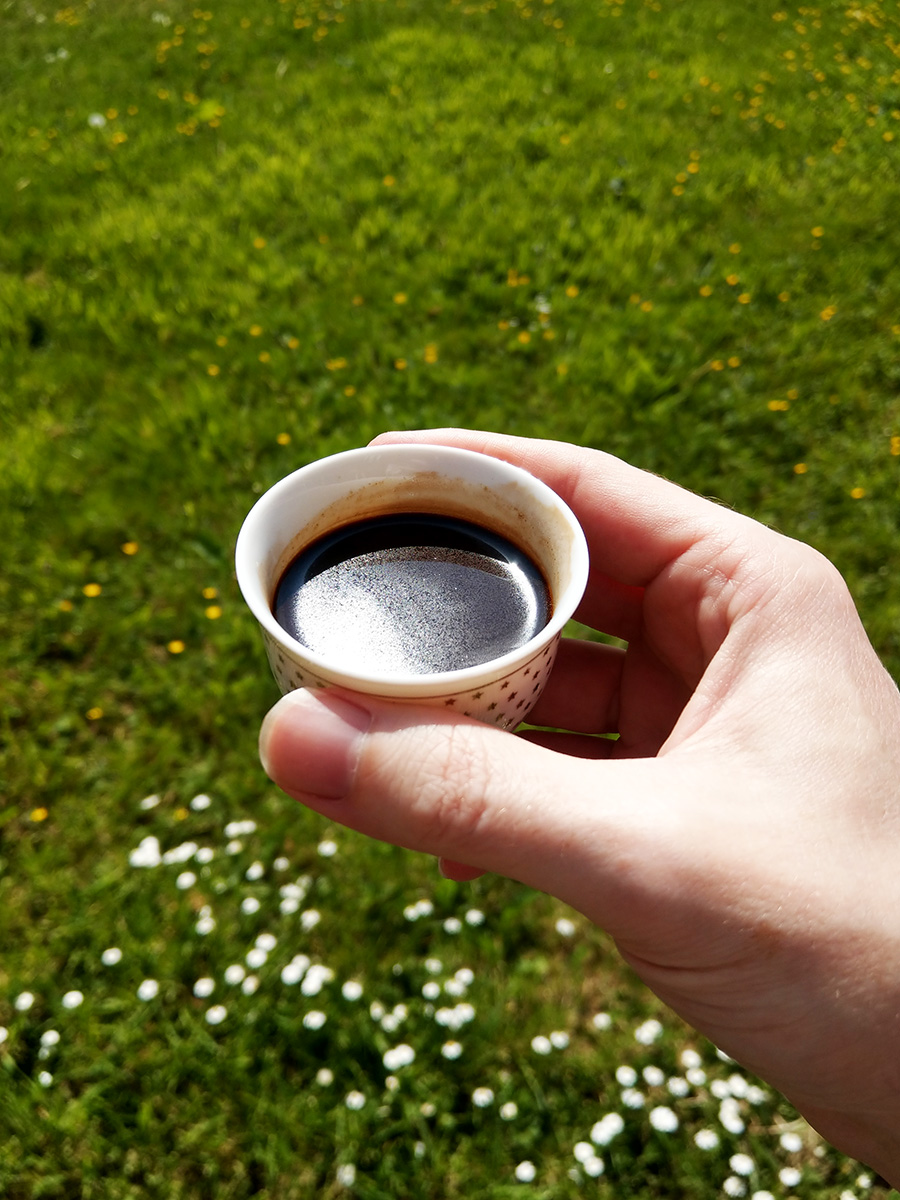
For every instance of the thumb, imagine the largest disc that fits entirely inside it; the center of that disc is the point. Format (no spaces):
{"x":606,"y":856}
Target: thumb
{"x":469,"y":793}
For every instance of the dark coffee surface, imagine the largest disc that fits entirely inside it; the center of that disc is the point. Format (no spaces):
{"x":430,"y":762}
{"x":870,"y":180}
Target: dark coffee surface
{"x":412,"y":593}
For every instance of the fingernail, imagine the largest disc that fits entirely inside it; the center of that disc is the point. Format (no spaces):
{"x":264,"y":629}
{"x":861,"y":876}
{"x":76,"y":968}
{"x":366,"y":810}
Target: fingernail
{"x":310,"y":743}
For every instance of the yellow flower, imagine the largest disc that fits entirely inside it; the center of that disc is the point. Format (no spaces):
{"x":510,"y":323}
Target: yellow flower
{"x":717,"y":364}
{"x":209,"y":593}
{"x":94,"y":714}
{"x":111,"y":114}
{"x":895,"y":450}
{"x":389,"y":181}
{"x":572,"y":291}
{"x":792,"y":393}
{"x":562,"y":369}
{"x":706,"y":290}
{"x":175,"y":646}
{"x":400,"y":297}
{"x":130,"y":548}
{"x":293,"y":343}
{"x":283,"y":439}
{"x":647,"y":306}
{"x":693,"y":167}
{"x":350,"y":390}
{"x":678,"y":190}
{"x":744,"y":298}
{"x":213,"y":369}
{"x":221,"y":340}
{"x":732,"y":280}
{"x":800,"y":469}
{"x":779,"y":405}
{"x":39,"y":814}
{"x":66,"y":605}
{"x":400,"y":364}
{"x":784,"y":297}
{"x":524,"y":337}
{"x":564,"y":139}
{"x":92,"y":589}
{"x":549,"y":334}
{"x":259,"y":243}
{"x":357,"y":301}
{"x":827,"y":313}
{"x":181,"y":814}
{"x":734,"y":361}
{"x":336,"y":364}
{"x":213,"y":612}
{"x":255,"y":330}
{"x":857,"y":493}
{"x":817,"y":231}
{"x":734,"y":248}
{"x":265,"y":357}
{"x":431,"y":353}
{"x":620,"y":104}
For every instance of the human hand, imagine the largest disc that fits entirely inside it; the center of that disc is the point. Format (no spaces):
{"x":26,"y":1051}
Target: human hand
{"x":738,"y":839}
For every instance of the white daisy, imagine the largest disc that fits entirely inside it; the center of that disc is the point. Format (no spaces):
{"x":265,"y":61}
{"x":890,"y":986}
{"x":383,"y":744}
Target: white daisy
{"x":399,"y":1056}
{"x":345,"y":1175}
{"x":663,"y":1119}
{"x":648,"y":1032}
{"x":706,"y":1139}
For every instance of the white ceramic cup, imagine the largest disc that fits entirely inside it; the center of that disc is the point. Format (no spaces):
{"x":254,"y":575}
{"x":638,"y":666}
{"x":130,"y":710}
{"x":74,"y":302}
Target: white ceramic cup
{"x":379,"y":480}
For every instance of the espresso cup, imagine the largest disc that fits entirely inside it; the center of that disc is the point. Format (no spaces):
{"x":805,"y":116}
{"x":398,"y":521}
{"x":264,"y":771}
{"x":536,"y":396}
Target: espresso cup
{"x":381,"y":481}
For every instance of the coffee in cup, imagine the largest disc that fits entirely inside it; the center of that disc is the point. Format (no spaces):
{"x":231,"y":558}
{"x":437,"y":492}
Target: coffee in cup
{"x":414,"y":573}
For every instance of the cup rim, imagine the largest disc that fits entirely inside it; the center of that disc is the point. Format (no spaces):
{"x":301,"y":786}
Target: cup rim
{"x":431,"y":457}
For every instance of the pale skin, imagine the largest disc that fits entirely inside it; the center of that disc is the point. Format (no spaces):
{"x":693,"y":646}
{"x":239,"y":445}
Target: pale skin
{"x":740,"y":840}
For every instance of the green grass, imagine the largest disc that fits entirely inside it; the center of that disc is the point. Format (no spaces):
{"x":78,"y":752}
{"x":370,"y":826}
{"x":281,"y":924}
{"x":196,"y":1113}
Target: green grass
{"x":234,"y":240}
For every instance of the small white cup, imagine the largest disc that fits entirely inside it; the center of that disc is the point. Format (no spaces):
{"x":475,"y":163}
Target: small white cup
{"x":379,"y":480}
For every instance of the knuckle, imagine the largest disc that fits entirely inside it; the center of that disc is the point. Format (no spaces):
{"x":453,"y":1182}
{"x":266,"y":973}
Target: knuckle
{"x":454,"y":781}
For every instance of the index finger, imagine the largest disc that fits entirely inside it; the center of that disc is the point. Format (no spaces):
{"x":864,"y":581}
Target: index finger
{"x":636,"y":523}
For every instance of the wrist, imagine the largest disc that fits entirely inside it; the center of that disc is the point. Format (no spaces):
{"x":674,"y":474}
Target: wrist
{"x":872,"y":1137}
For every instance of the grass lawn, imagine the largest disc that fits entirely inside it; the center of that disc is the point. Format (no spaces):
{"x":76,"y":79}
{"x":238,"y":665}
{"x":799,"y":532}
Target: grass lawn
{"x":233,"y":240}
